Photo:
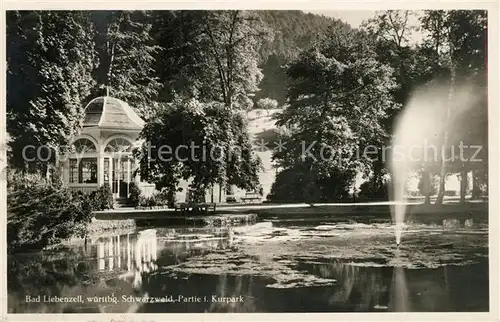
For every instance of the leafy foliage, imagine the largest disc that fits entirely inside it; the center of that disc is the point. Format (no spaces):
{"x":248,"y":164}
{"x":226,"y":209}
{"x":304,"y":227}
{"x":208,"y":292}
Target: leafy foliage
{"x":376,"y":188}
{"x":204,"y":142}
{"x":126,"y":55}
{"x":134,"y":194}
{"x":50,"y":56}
{"x":299,"y":184}
{"x":159,"y":198}
{"x":220,"y":60}
{"x":346,"y":94}
{"x":290,"y":32}
{"x":432,"y":185}
{"x":267,"y":103}
{"x":457,"y":38}
{"x":40,"y":213}
{"x":102,"y":198}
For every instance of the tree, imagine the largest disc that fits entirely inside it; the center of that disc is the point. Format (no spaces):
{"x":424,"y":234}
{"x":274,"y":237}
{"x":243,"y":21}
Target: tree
{"x":218,"y":60}
{"x":393,"y":32}
{"x":346,"y":94}
{"x":40,"y":213}
{"x":428,"y":185}
{"x":182,"y":66}
{"x":126,"y":55}
{"x":267,"y":104}
{"x":50,"y":57}
{"x":204,"y":142}
{"x":457,"y":39}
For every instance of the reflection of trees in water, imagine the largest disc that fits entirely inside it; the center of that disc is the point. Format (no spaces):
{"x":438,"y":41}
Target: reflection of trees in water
{"x":127,"y":264}
{"x":234,"y":286}
{"x":359,"y":288}
{"x":139,"y":252}
{"x":177,"y":250}
{"x":108,"y":264}
{"x":44,"y":274}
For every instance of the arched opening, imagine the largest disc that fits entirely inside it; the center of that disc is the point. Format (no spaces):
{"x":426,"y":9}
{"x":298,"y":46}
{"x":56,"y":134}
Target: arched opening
{"x":118,"y":166}
{"x":84,"y":145}
{"x":118,"y":145}
{"x":83,"y":164}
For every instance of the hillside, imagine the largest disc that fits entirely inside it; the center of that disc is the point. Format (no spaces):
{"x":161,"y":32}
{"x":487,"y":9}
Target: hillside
{"x":292,"y":32}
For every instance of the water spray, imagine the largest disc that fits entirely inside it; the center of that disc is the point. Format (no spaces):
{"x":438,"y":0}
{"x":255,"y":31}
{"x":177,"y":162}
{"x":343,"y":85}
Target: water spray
{"x":419,"y":126}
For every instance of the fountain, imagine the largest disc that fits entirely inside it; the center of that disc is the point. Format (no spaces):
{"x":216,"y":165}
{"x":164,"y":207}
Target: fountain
{"x":418,"y":136}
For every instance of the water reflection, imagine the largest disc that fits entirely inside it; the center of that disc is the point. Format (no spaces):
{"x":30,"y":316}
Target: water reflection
{"x":138,"y":251}
{"x":399,"y":300}
{"x":134,"y":264}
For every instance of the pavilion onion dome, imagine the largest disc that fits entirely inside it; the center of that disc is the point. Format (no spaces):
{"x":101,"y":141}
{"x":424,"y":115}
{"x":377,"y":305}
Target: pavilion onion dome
{"x":111,"y":113}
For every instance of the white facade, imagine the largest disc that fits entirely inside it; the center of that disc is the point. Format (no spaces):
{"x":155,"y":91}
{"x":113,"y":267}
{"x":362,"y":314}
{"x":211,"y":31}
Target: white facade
{"x":102,"y":153}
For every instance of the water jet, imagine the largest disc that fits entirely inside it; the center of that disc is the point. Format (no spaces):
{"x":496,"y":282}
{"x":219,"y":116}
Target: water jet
{"x":418,"y":137}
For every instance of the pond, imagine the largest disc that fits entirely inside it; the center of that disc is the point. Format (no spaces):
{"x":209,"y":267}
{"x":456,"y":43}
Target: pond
{"x":272,"y":266}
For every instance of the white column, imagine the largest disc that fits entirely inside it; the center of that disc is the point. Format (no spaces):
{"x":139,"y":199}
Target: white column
{"x":138,"y":258}
{"x":128,"y":174}
{"x":100,"y":169}
{"x":119,"y":252}
{"x":129,"y":255}
{"x":110,"y":172}
{"x":119,"y":175}
{"x":154,"y":248}
{"x":111,"y":254}
{"x":137,"y":177}
{"x":100,"y":255}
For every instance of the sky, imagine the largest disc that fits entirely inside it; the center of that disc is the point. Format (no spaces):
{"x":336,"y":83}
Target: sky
{"x":356,"y":17}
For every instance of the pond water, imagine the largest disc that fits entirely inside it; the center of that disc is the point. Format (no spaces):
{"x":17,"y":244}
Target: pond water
{"x":272,"y":266}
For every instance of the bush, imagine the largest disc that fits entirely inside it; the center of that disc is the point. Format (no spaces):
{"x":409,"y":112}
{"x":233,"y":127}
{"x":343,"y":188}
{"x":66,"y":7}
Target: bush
{"x":267,"y":103}
{"x":433,"y":185}
{"x":147,"y":201}
{"x":298,"y":184}
{"x":135,"y":194}
{"x":162,"y":198}
{"x":40,"y":213}
{"x":102,"y":198}
{"x":374,"y":189}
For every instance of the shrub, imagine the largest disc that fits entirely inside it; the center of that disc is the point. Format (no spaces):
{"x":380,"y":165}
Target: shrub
{"x":135,"y":194}
{"x":267,"y":103}
{"x":374,"y":189}
{"x":102,"y":198}
{"x":40,"y":213}
{"x":298,"y":184}
{"x":147,"y":201}
{"x":433,"y":185}
{"x":160,"y":198}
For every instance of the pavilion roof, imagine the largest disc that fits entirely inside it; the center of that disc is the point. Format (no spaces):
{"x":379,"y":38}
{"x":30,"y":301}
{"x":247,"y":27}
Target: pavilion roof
{"x":111,"y":113}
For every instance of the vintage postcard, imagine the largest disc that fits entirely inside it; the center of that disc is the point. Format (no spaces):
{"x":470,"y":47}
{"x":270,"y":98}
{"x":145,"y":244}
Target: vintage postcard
{"x":235,"y":160}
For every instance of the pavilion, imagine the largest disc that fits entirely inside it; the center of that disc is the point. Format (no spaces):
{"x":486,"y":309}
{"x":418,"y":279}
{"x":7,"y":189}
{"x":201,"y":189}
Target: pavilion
{"x":102,"y":152}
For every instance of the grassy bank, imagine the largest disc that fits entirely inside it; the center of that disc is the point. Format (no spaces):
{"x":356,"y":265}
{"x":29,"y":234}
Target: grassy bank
{"x":368,"y":211}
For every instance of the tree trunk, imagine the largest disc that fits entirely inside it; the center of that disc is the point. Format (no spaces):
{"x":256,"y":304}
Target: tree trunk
{"x":463,"y":185}
{"x":475,"y":186}
{"x":442,"y":180}
{"x":220,"y":192}
{"x":426,"y":186}
{"x":212,"y":195}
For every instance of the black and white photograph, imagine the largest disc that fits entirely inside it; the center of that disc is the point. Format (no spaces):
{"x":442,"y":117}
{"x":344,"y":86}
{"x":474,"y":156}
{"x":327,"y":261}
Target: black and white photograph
{"x":249,"y":161}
